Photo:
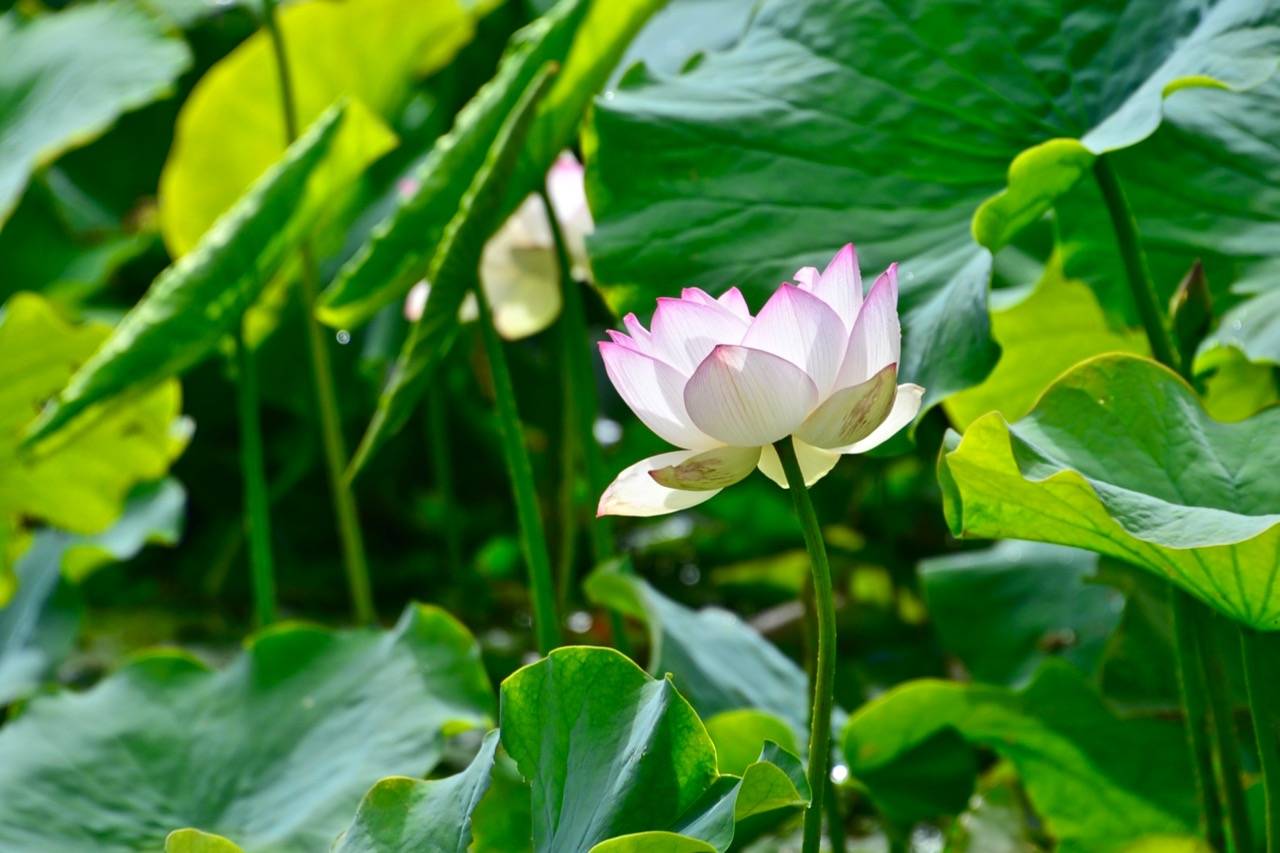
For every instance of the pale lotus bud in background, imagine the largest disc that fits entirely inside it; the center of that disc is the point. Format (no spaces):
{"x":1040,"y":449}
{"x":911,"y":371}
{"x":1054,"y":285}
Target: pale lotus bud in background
{"x":818,"y":364}
{"x":518,"y":269}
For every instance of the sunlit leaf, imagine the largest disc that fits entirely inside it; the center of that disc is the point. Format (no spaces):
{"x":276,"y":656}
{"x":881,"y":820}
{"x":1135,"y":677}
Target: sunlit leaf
{"x":1119,"y":457}
{"x":274,"y":752}
{"x":402,"y":814}
{"x":1003,"y":610}
{"x":195,"y":841}
{"x":78,"y":483}
{"x":68,"y":76}
{"x":874,"y":122}
{"x":231,"y":128}
{"x":1096,"y":781}
{"x":194,"y":303}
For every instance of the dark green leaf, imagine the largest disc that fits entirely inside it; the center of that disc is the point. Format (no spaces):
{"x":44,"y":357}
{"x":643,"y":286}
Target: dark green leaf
{"x":68,"y":76}
{"x":1120,"y":457}
{"x":198,"y":300}
{"x":1098,"y":782}
{"x":273,"y":752}
{"x":1005,"y":609}
{"x":403,"y":815}
{"x":876,"y":122}
{"x":38,"y":627}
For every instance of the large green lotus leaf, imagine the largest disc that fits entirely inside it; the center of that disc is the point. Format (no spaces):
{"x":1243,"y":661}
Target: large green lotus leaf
{"x":198,"y":300}
{"x":67,"y":76}
{"x":1097,"y":781}
{"x":610,"y":752}
{"x":231,"y":129}
{"x":706,"y":651}
{"x":78,"y":483}
{"x":1059,"y":309}
{"x":1119,"y":457}
{"x":586,"y":38}
{"x":889,"y":123}
{"x":1003,"y":610}
{"x":274,"y":752}
{"x":454,"y":273}
{"x":403,"y":815}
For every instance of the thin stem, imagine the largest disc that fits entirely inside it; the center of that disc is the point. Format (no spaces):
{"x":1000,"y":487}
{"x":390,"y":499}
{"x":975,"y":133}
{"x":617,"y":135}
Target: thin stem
{"x":335,"y":453}
{"x":1135,"y":264}
{"x":442,"y":467}
{"x":1258,"y":649}
{"x":568,"y":482}
{"x":1222,"y":727}
{"x":1191,"y":686}
{"x":825,"y":663}
{"x":256,"y":501}
{"x":533,"y":538}
{"x":1193,"y":657}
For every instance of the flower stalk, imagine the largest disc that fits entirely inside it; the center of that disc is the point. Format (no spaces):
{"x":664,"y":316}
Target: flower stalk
{"x":335,"y":454}
{"x":824,"y":663}
{"x":1260,"y":650}
{"x":256,"y":501}
{"x":533,"y":538}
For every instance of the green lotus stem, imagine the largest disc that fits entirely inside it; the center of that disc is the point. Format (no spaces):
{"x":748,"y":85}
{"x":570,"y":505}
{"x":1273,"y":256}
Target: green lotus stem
{"x":1191,"y":688}
{"x":442,"y":467}
{"x":824,"y":664}
{"x":533,"y":538}
{"x":568,"y":481}
{"x":1222,"y":727}
{"x":1189,"y":614}
{"x":335,"y":453}
{"x":1259,"y":656}
{"x":256,"y":501}
{"x":580,"y":410}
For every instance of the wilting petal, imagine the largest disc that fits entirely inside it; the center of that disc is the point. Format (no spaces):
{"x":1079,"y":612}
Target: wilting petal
{"x":747,"y":397}
{"x":840,"y":285}
{"x":684,"y":332}
{"x":876,"y":340}
{"x":801,"y":328}
{"x":636,"y":493}
{"x":905,"y":407}
{"x":716,"y":469}
{"x":655,"y":392}
{"x":815,"y":463}
{"x":523,"y":286}
{"x":732,"y":299}
{"x":852,"y":413}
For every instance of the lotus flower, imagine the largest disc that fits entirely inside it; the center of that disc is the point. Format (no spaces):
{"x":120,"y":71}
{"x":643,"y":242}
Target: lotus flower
{"x":519,"y":270}
{"x":819,"y":363}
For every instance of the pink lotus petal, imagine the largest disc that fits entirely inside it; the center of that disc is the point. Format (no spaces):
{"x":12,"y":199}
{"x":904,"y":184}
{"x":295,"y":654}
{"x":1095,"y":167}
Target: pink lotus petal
{"x":655,"y":392}
{"x":732,"y":299}
{"x":852,"y":413}
{"x":840,"y":285}
{"x":716,"y":469}
{"x":807,"y":278}
{"x":635,"y":493}
{"x":697,"y":294}
{"x":747,"y":397}
{"x":685,"y":332}
{"x":906,"y":405}
{"x":876,"y":340}
{"x":815,"y":463}
{"x":798,"y":326}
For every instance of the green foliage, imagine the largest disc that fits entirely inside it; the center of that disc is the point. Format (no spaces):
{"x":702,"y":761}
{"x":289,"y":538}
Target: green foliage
{"x":68,"y":76}
{"x":201,"y":298}
{"x":273,"y":752}
{"x":1119,"y":457}
{"x":1098,"y":782}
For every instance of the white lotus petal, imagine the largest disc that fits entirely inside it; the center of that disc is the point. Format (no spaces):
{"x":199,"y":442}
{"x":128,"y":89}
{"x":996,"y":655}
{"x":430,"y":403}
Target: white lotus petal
{"x":840,"y":285}
{"x":733,"y":300}
{"x":416,"y":301}
{"x":801,"y":328}
{"x":807,"y":278}
{"x":635,"y":493}
{"x":684,"y":332}
{"x":815,"y":463}
{"x":716,"y":469}
{"x":906,"y":405}
{"x":653,"y":390}
{"x":852,"y":413}
{"x":876,"y":340}
{"x":523,"y":287}
{"x":747,"y":397}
